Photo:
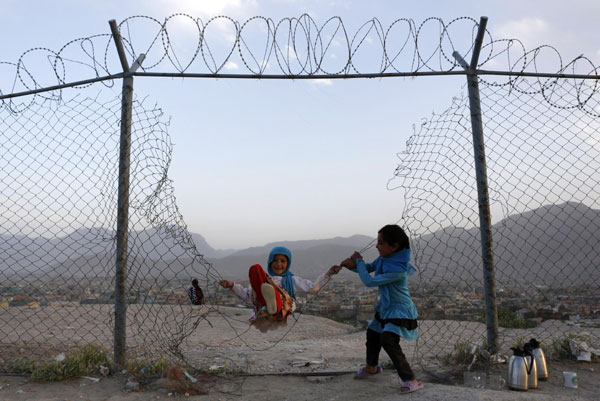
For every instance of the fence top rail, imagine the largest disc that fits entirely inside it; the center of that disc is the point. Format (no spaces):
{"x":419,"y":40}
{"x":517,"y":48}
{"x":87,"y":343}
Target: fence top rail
{"x":301,"y":77}
{"x":372,"y":75}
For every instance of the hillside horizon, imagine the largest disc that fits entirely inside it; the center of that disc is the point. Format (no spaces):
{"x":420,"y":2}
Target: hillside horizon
{"x":556,"y":243}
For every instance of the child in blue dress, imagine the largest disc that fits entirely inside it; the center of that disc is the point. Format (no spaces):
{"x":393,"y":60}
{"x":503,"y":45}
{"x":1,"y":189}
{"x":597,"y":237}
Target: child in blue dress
{"x":395,"y":312}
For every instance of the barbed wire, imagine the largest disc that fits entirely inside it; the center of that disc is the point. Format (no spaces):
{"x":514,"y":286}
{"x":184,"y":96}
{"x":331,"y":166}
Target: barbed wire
{"x":299,"y":47}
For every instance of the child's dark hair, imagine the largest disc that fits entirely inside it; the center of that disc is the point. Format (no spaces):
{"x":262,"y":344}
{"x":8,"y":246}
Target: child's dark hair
{"x":195,"y":282}
{"x":393,"y":234}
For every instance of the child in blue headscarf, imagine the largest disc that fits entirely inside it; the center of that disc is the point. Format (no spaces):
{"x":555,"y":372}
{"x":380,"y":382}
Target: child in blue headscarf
{"x":395,"y":312}
{"x":273,"y":295}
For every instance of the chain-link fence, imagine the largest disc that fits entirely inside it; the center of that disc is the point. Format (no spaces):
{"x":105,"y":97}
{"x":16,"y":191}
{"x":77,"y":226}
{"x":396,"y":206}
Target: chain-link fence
{"x":543,"y":165}
{"x":58,"y":246}
{"x":60,"y":176}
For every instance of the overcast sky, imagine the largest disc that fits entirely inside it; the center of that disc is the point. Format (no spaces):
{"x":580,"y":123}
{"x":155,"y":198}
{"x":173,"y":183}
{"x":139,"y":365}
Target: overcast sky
{"x":262,"y":161}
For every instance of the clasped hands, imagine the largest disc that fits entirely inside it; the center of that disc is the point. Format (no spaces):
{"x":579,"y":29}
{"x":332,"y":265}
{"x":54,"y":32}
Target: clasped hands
{"x":350,"y":263}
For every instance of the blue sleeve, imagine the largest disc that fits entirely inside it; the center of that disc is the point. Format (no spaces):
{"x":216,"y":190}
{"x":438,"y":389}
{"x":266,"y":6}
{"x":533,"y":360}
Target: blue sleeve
{"x":379,"y":279}
{"x":370,"y":266}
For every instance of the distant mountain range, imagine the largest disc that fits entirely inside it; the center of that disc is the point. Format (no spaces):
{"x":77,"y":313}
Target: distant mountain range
{"x":554,"y":245}
{"x":89,"y":253}
{"x":551,"y":245}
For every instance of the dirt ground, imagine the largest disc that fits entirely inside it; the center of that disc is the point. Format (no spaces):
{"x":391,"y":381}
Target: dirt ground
{"x":342,"y":387}
{"x":284,"y":365}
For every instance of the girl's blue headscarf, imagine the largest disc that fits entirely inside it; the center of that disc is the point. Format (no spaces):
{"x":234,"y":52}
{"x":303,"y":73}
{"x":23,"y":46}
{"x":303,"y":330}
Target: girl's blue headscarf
{"x":287,"y":276}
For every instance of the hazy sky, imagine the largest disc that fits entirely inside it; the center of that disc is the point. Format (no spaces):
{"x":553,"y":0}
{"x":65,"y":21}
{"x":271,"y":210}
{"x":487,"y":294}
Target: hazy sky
{"x":262,"y":161}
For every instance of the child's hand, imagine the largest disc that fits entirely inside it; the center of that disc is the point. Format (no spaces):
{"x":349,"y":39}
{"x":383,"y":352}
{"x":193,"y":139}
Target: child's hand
{"x":348,"y":264}
{"x":355,"y":256}
{"x":334,"y":270}
{"x":226,"y":283}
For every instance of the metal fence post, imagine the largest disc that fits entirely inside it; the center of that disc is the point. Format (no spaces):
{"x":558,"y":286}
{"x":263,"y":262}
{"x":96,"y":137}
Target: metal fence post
{"x":120,"y":334}
{"x":485,"y":221}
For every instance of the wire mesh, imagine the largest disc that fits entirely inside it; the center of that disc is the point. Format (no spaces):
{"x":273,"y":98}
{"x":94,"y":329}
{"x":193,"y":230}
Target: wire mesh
{"x":59,"y":174}
{"x":59,"y":177}
{"x":59,"y":207}
{"x":542,"y":163}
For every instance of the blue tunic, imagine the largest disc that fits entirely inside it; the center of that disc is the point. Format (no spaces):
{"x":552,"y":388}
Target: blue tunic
{"x":391,"y":278}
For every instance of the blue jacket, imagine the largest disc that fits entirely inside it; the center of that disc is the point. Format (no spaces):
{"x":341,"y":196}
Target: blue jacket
{"x":391,"y":278}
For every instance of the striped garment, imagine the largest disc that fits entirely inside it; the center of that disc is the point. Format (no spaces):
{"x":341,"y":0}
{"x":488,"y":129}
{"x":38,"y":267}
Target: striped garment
{"x":196,"y":296}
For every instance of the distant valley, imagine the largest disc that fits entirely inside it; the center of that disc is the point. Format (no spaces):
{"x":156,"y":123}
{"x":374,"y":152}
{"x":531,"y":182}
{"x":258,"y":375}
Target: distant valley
{"x":553,"y":245}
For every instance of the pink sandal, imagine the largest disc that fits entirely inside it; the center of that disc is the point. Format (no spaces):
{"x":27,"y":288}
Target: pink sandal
{"x":410,"y":386}
{"x":363,"y":373}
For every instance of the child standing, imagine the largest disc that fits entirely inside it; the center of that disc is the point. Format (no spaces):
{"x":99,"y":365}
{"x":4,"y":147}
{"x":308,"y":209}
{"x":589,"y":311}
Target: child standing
{"x":395,"y":312}
{"x":273,"y":295}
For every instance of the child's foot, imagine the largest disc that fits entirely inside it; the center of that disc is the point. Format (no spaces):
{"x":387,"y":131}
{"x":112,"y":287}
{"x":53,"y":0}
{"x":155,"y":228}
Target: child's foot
{"x":268,"y":293}
{"x":410,"y":385}
{"x":364,"y":372}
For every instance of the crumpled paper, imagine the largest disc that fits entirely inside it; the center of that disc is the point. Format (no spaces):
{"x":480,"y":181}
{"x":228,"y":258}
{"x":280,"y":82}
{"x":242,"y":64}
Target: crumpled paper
{"x":582,"y":351}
